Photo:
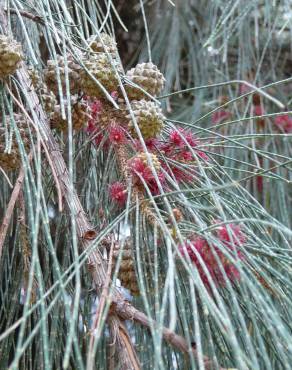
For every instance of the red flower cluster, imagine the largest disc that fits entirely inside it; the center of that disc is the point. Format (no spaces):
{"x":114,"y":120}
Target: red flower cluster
{"x":177,"y":148}
{"x":116,"y":134}
{"x":213,"y":258}
{"x":118,"y":193}
{"x":92,"y":129}
{"x":284,"y":122}
{"x":220,"y":116}
{"x":140,"y":168}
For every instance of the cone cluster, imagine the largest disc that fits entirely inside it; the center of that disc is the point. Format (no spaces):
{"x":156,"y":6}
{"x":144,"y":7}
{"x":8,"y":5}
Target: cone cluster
{"x":98,"y":67}
{"x":102,"y":44}
{"x":148,"y":77}
{"x":147,"y":113}
{"x":127,"y":273}
{"x":10,"y":56}
{"x":63,"y":68}
{"x":10,"y":158}
{"x":47,"y":97}
{"x":149,"y":118}
{"x":110,"y":115}
{"x":154,"y":159}
{"x":79,"y":115}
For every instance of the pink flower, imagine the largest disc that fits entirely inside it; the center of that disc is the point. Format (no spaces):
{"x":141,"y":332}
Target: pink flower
{"x":191,"y":140}
{"x":202,"y":155}
{"x":219,"y":116}
{"x":176,"y":137}
{"x":95,"y":107}
{"x":244,"y":89}
{"x":179,"y":137}
{"x":178,"y":173}
{"x":116,"y":135}
{"x":213,"y":259}
{"x":284,"y":122}
{"x":151,"y":144}
{"x":114,"y":95}
{"x":231,"y":234}
{"x":118,"y":193}
{"x":258,"y":110}
{"x":139,"y":168}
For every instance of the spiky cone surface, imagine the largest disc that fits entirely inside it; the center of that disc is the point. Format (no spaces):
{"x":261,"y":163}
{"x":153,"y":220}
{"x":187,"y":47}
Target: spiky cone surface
{"x":99,"y":66}
{"x":148,"y":77}
{"x":47,"y":97}
{"x":102,"y":43}
{"x":79,"y":114}
{"x":110,"y":115}
{"x":11,"y":160}
{"x":35,"y":77}
{"x":154,"y":159}
{"x":149,"y":118}
{"x":10,"y":56}
{"x":73,"y":69}
{"x":127,"y":273}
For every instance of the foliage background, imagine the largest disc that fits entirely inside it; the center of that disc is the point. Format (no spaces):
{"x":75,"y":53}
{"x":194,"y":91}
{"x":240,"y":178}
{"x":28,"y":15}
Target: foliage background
{"x":206,"y":49}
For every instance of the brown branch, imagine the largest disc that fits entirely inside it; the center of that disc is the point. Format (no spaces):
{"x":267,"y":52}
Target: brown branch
{"x":119,"y":332}
{"x":11,"y":205}
{"x":98,"y":315}
{"x":128,"y":312}
{"x":32,"y":17}
{"x":21,"y":107}
{"x":97,"y":266}
{"x":86,"y":232}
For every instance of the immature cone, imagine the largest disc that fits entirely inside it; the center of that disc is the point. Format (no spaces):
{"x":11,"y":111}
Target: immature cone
{"x":51,"y":73}
{"x":99,"y":66}
{"x":79,"y":114}
{"x":110,"y":115}
{"x":11,"y":160}
{"x":149,"y":118}
{"x":10,"y":56}
{"x":143,"y":158}
{"x":47,"y":97}
{"x":102,"y":43}
{"x":148,"y":77}
{"x":127,"y":273}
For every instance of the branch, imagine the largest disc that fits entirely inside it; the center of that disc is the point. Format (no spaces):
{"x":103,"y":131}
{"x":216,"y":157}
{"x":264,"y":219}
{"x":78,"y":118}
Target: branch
{"x":128,"y":312}
{"x":122,"y":340}
{"x":11,"y":205}
{"x":86,"y":232}
{"x":32,"y":17}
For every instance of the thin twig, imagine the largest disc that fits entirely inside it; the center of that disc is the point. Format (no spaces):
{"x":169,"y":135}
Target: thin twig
{"x":57,"y":183}
{"x":11,"y":205}
{"x":86,"y":233}
{"x":98,"y":315}
{"x":85,"y":230}
{"x":128,"y":312}
{"x":33,"y":17}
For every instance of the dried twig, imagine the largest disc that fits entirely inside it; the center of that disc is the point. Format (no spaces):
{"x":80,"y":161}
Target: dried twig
{"x":128,"y":312}
{"x":84,"y":228}
{"x":32,"y":17}
{"x":129,"y":359}
{"x":21,"y":107}
{"x":85,"y":231}
{"x":98,"y":315}
{"x":11,"y":205}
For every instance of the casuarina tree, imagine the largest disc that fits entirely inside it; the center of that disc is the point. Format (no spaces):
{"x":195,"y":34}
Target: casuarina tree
{"x":145,"y":175}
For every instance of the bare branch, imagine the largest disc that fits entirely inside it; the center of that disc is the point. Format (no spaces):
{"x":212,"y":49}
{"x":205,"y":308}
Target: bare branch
{"x":11,"y":205}
{"x":128,"y":312}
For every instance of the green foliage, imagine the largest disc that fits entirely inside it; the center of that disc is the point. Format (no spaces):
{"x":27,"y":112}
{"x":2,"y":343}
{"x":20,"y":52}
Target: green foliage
{"x":207,"y":51}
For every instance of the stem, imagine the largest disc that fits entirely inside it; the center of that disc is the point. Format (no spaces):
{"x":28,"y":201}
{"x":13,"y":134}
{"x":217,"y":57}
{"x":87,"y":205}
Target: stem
{"x":9,"y":211}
